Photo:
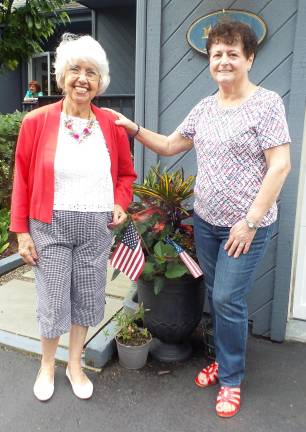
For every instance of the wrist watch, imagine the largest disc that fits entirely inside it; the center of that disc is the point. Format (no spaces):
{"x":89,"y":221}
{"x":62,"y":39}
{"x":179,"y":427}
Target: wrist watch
{"x":251,"y":225}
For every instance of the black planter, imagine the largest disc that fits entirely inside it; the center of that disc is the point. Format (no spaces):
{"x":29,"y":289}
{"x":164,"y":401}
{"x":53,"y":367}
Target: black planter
{"x":173,"y":315}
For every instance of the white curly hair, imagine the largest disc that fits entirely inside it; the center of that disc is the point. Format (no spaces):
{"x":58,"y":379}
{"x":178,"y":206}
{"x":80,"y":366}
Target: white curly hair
{"x":85,"y":48}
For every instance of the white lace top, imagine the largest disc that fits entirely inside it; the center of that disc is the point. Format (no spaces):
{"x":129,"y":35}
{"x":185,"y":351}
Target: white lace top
{"x":82,"y":173}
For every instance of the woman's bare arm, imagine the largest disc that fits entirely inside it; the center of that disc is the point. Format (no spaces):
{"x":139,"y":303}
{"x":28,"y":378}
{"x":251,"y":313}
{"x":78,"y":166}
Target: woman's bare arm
{"x":278,"y":163}
{"x":161,"y":144}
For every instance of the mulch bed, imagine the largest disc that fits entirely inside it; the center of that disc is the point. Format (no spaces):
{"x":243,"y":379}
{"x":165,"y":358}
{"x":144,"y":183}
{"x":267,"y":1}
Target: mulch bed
{"x":15,"y":274}
{"x":18,"y":272}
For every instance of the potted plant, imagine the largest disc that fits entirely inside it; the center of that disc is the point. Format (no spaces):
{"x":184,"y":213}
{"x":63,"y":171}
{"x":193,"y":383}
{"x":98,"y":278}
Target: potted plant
{"x":166,"y":286}
{"x":132,"y":339}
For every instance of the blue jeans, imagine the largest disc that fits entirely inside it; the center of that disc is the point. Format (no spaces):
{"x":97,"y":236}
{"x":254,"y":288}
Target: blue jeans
{"x":228,"y":281}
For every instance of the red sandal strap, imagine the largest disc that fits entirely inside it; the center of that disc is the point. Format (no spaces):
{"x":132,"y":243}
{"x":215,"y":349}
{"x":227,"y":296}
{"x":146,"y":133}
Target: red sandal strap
{"x":229,"y":395}
{"x":211,"y":374}
{"x":210,"y":369}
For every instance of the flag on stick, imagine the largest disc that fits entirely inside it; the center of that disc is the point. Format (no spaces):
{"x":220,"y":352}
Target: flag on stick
{"x":128,"y":256}
{"x":189,"y":262}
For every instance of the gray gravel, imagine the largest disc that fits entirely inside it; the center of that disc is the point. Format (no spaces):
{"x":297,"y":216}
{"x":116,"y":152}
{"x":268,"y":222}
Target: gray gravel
{"x":15,"y":274}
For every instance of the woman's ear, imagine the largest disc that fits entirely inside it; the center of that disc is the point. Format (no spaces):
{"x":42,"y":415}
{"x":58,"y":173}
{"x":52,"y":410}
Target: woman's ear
{"x":250,"y":62}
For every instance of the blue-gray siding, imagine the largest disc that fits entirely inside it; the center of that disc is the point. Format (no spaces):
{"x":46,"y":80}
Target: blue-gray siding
{"x":115,"y":29}
{"x":11,"y":90}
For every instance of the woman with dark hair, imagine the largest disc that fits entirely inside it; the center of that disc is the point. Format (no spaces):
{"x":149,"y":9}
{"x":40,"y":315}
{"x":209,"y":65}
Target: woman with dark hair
{"x":33,"y":91}
{"x":241,"y":140}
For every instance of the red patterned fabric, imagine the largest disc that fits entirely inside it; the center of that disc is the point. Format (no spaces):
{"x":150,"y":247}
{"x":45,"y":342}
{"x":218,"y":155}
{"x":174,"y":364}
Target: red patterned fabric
{"x":230,"y":144}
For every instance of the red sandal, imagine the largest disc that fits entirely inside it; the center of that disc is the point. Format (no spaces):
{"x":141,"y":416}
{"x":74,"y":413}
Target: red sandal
{"x":230,"y":395}
{"x":211,"y":375}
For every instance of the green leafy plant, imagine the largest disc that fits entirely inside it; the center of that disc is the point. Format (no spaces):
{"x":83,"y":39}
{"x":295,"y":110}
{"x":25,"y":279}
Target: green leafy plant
{"x":160,"y":212}
{"x":9,"y":128}
{"x":24,"y":28}
{"x":130,"y":332}
{"x":4,"y":233}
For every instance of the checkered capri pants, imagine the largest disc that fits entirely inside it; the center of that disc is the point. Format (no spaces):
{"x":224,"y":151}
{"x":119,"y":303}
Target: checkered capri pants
{"x":71,"y":269}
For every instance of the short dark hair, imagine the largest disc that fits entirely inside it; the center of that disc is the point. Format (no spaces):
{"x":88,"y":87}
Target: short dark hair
{"x":36,"y":84}
{"x":230,"y":32}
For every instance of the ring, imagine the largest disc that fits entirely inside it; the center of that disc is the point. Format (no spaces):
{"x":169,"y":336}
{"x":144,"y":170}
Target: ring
{"x":241,"y":244}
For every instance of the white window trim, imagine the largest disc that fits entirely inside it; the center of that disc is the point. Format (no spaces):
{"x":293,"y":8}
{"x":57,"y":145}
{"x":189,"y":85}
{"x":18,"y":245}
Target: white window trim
{"x":30,"y":67}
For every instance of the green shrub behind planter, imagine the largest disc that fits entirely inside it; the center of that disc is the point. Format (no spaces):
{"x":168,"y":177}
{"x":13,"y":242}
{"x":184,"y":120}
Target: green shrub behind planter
{"x":9,"y":128}
{"x":4,"y":233}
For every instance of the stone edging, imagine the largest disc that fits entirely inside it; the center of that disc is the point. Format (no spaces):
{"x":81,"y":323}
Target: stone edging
{"x":100,"y":349}
{"x":10,"y":263}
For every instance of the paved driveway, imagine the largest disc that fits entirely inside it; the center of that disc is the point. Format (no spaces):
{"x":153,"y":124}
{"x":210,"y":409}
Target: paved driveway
{"x":159,"y":398}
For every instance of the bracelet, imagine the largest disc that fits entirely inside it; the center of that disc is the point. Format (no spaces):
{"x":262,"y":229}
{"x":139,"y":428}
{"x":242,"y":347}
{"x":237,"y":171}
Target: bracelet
{"x":137,"y":132}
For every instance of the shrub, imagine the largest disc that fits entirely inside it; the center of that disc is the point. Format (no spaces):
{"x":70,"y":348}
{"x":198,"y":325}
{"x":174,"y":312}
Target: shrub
{"x":9,"y":128}
{"x":4,"y":233}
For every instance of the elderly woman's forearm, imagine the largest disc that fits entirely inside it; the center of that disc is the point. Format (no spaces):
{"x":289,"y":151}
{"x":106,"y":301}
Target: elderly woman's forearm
{"x":269,"y":192}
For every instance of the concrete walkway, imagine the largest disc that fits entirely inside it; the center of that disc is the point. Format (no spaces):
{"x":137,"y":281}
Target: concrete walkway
{"x":18,"y":325}
{"x":159,"y":398}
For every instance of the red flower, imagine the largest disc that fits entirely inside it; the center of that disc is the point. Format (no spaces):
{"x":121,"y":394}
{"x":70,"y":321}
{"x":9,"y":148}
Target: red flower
{"x":144,"y":215}
{"x":158,"y":227}
{"x":187,"y":228}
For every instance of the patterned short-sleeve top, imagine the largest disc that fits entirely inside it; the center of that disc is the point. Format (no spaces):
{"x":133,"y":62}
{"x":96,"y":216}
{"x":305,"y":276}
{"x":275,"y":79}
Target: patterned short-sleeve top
{"x":230,"y":144}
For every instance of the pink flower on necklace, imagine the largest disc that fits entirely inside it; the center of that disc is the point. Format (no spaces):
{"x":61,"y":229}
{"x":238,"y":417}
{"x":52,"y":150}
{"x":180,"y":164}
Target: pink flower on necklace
{"x":79,"y":136}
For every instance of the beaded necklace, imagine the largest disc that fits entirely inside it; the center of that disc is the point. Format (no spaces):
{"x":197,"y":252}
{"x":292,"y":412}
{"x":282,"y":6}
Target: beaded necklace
{"x":79,"y":137}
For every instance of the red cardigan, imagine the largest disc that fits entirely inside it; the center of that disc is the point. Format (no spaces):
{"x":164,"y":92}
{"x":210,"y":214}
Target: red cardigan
{"x":33,"y":188}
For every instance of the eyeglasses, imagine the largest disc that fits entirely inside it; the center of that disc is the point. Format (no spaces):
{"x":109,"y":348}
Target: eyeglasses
{"x":90,"y":74}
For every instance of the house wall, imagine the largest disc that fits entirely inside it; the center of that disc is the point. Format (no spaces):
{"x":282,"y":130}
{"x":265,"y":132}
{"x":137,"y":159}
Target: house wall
{"x":116,"y":31}
{"x":287,"y":220}
{"x":177,"y":77}
{"x":11,"y":87}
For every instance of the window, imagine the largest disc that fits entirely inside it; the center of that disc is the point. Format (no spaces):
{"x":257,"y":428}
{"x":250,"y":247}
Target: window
{"x":40,"y":68}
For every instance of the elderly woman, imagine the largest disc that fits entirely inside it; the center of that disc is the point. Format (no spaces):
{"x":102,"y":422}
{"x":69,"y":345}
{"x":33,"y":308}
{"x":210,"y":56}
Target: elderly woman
{"x":73,"y":181}
{"x":241,"y":141}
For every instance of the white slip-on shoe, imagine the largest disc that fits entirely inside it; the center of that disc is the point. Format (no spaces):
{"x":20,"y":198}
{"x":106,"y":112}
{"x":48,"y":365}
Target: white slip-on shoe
{"x":82,"y":391}
{"x":43,"y":391}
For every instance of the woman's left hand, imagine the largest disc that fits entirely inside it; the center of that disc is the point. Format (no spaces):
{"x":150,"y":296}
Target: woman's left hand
{"x":119,"y":216}
{"x":240,"y":239}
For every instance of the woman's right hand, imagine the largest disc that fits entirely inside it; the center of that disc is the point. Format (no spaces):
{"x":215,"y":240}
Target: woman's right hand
{"x":128,"y":124}
{"x":27,"y":249}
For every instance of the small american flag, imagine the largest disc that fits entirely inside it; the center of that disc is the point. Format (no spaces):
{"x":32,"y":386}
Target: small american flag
{"x":128,"y":256}
{"x":189,"y":262}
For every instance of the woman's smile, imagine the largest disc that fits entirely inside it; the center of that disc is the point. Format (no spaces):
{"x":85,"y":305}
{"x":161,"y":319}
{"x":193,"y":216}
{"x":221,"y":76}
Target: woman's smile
{"x":81,"y":90}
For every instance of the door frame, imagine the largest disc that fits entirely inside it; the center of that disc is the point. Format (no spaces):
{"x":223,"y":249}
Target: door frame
{"x":298,"y":298}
